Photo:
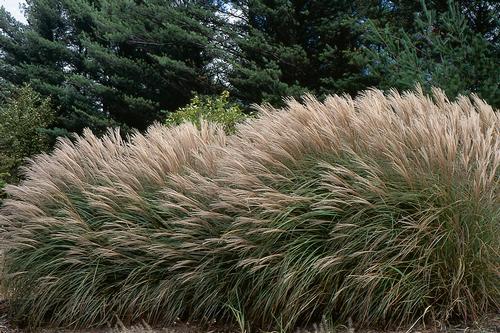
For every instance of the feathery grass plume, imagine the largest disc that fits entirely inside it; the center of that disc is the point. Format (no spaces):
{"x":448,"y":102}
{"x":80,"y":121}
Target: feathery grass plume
{"x":80,"y":228}
{"x":384,"y":209}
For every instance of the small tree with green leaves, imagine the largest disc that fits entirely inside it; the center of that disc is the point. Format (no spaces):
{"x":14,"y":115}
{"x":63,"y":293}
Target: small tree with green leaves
{"x":212,"y":109}
{"x":23,"y":119}
{"x":444,"y":51}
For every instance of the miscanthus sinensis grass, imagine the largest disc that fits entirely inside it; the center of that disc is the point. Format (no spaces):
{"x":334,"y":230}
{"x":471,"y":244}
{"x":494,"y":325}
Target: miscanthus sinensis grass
{"x":382,"y":209}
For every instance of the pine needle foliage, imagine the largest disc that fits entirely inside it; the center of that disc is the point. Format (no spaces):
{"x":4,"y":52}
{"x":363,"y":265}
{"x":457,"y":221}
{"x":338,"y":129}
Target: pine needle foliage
{"x":444,"y":51}
{"x":382,"y":210}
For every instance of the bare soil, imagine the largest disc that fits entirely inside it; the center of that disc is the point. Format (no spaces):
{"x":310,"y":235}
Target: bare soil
{"x":489,"y":324}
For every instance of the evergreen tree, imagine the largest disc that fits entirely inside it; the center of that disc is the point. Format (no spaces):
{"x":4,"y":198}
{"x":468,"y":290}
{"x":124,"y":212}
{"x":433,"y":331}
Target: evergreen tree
{"x":150,"y":56}
{"x":482,"y":16}
{"x":44,"y":53}
{"x":284,"y":47}
{"x":111,"y":61}
{"x":446,"y":50}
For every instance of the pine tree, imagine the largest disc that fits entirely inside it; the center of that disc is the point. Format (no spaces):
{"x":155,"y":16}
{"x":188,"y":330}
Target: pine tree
{"x":481,"y":15}
{"x":284,"y":48}
{"x":447,"y":50}
{"x":44,"y":53}
{"x":108,"y":62}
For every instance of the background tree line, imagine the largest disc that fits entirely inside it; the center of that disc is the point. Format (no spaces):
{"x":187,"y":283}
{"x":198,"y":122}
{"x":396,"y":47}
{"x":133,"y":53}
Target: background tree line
{"x":128,"y":63}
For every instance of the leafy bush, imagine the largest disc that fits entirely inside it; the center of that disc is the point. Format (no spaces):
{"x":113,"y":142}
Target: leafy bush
{"x":443,"y":52}
{"x":217,"y":110}
{"x":2,"y":183}
{"x":382,"y":209}
{"x":23,"y":119}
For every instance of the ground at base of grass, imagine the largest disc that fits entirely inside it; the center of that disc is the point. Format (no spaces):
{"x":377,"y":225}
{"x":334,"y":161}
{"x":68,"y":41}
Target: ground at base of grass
{"x":489,"y":324}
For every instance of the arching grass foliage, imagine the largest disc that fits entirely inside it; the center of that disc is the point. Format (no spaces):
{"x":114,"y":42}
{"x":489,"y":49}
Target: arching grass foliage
{"x":382,"y":209}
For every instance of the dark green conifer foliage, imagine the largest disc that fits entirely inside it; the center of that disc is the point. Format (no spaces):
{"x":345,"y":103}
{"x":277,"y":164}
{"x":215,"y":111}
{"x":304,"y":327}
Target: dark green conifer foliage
{"x":482,"y":16}
{"x":447,"y":49}
{"x":108,"y":62}
{"x":292,"y":47}
{"x":126,"y":62}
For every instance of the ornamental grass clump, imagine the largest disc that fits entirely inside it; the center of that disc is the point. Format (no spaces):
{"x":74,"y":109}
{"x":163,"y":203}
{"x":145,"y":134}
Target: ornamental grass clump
{"x":383,"y":209}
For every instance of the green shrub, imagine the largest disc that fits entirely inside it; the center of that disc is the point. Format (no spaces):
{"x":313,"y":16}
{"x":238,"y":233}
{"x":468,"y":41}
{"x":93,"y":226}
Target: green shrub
{"x":382,"y":209}
{"x":217,"y":110}
{"x":3,"y":176}
{"x":23,"y":119}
